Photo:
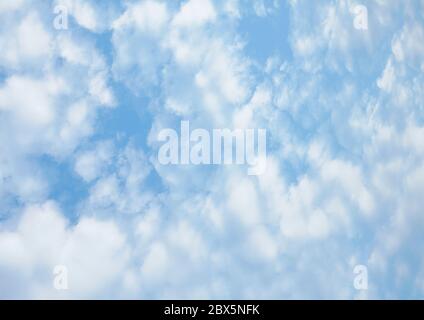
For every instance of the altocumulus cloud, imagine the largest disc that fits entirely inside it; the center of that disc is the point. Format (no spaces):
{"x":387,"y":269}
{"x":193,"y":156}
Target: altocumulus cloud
{"x":81,"y":185}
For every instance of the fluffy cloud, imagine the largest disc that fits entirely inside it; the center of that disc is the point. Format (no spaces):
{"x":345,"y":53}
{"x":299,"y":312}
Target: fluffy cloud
{"x":94,"y":253}
{"x":53,"y":84}
{"x":343,"y":113}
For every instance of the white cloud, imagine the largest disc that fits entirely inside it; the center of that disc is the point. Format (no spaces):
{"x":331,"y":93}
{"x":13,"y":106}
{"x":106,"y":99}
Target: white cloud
{"x":89,"y":165}
{"x":194,"y":13}
{"x":24,"y":42}
{"x":387,"y":78}
{"x":11,"y":6}
{"x":117,"y":177}
{"x":94,"y":253}
{"x":147,"y":16}
{"x":38,"y":93}
{"x":341,"y":187}
{"x":93,"y":16}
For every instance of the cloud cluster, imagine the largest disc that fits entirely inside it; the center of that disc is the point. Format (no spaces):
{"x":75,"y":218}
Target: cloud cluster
{"x":343,"y":113}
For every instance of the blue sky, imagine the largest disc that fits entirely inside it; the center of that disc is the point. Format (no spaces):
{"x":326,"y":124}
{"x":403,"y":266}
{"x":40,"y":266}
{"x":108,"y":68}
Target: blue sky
{"x":81,"y":185}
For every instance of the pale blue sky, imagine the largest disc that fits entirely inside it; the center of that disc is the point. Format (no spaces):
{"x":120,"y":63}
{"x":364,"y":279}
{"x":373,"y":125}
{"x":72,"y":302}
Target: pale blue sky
{"x":80,"y":182}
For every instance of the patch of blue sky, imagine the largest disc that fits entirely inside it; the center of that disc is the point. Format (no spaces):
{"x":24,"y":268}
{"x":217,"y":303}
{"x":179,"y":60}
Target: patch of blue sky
{"x":267,"y":35}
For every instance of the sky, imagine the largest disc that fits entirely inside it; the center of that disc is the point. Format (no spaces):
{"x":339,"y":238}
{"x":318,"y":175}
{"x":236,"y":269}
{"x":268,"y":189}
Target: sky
{"x":87,"y":211}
